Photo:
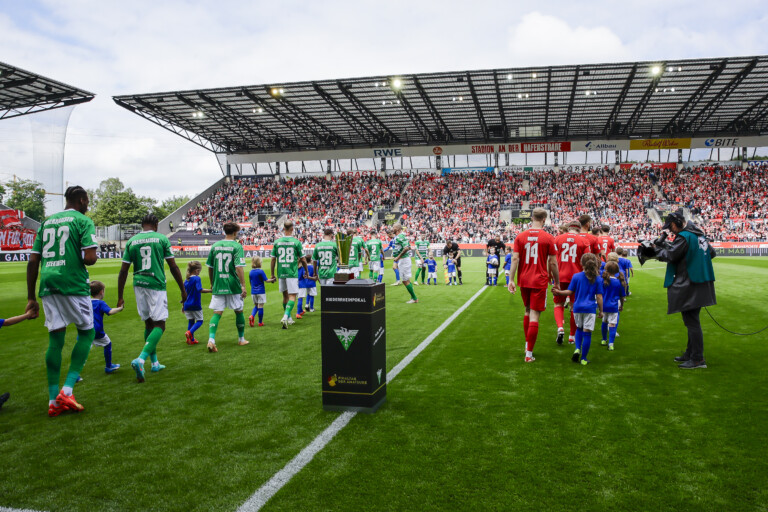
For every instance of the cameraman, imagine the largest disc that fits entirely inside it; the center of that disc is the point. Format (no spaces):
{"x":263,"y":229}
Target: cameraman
{"x":690,"y":281}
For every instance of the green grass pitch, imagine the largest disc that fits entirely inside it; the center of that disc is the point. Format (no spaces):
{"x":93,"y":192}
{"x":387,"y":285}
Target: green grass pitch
{"x":466,"y":426}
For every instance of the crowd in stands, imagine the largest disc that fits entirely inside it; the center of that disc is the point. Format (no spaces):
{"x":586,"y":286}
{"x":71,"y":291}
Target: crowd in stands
{"x":730,"y":203}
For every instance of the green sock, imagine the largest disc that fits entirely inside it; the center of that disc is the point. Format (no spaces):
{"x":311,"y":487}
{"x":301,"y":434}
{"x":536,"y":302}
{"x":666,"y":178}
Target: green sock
{"x":240,"y":322}
{"x":79,"y":355}
{"x":409,"y":287}
{"x":151,"y":345}
{"x":53,"y":361}
{"x":418,"y":271}
{"x":147,"y":332}
{"x":153,"y":357}
{"x":289,"y":308}
{"x":370,"y":274}
{"x":213,"y":326}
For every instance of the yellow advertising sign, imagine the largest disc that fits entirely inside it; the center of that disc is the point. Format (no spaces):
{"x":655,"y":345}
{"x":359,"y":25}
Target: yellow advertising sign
{"x":654,"y":144}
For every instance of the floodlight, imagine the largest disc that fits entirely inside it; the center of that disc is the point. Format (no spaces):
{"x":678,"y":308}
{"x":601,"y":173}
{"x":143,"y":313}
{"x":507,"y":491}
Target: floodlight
{"x":397,"y":83}
{"x":509,"y":76}
{"x":282,"y":91}
{"x":655,"y":70}
{"x":274,"y":91}
{"x":533,"y":75}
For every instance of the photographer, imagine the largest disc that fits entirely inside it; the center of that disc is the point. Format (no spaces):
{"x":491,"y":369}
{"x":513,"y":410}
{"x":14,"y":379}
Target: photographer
{"x":690,"y":281}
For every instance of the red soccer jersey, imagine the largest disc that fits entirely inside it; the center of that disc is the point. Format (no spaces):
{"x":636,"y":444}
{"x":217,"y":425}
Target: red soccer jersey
{"x":606,"y":244}
{"x":534,"y":246}
{"x":570,"y":248}
{"x":594,"y":247}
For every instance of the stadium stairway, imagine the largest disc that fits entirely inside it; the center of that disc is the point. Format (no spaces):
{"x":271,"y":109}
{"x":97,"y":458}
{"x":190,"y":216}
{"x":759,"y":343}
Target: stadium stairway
{"x":175,"y":217}
{"x":653,"y":214}
{"x":527,"y":185}
{"x":659,"y":195}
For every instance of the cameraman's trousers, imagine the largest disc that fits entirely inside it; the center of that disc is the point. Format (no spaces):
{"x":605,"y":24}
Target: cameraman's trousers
{"x":695,"y":349}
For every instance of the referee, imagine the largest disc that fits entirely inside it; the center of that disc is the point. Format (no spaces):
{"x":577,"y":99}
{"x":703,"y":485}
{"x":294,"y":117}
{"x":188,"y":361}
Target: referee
{"x":453,"y":248}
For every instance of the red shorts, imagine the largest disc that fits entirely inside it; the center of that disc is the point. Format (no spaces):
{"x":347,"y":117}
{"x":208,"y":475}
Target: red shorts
{"x":534,"y":298}
{"x":560,"y":299}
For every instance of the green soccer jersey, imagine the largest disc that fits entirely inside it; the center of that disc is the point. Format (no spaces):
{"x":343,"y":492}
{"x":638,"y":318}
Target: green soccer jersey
{"x":224,"y":258}
{"x":288,"y":251}
{"x":326,"y":255}
{"x":60,"y":241}
{"x":374,"y":249}
{"x":401,"y":242}
{"x":147,"y":252}
{"x":356,"y":251}
{"x":422,"y":247}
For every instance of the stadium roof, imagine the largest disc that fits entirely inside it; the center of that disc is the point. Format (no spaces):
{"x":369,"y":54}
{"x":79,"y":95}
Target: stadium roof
{"x":665,"y":98}
{"x":23,"y":92}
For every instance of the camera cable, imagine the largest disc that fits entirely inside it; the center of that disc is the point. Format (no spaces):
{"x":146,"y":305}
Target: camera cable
{"x":732,"y":332}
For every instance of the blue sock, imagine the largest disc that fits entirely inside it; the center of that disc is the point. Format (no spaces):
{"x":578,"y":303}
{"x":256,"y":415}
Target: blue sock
{"x":311,"y":300}
{"x":397,"y":275}
{"x":618,"y":317}
{"x":108,"y":355}
{"x":189,"y":324}
{"x":578,"y":338}
{"x":604,"y":330}
{"x":196,"y":326}
{"x":255,"y":309}
{"x":261,"y":314}
{"x":507,"y":276}
{"x":381,"y":277}
{"x":495,"y":280}
{"x":299,"y":308}
{"x":612,"y":331}
{"x":585,"y":343}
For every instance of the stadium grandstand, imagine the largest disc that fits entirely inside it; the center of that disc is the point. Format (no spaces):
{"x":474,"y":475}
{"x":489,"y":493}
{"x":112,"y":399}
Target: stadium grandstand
{"x":466,"y":155}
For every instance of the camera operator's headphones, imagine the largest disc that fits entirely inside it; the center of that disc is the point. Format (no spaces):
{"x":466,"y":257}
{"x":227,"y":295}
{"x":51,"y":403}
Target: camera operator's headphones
{"x":676,"y":217}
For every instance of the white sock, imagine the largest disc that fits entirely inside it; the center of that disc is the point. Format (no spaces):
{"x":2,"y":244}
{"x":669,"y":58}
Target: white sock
{"x":560,"y":330}
{"x":528,"y":353}
{"x":241,"y":338}
{"x":211,"y":340}
{"x":156,"y":363}
{"x":140,"y":360}
{"x":67,"y":390}
{"x":51,"y":402}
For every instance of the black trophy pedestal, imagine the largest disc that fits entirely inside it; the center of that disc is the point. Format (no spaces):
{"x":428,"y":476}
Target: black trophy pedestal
{"x":353,"y":344}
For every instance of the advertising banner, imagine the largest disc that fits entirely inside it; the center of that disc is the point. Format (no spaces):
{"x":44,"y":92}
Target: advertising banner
{"x":669,"y":166}
{"x":465,"y":170}
{"x":655,"y":144}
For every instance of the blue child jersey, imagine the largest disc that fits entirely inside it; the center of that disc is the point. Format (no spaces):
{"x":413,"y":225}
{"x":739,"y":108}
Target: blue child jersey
{"x":625,"y":264}
{"x":602,"y":269}
{"x":583,"y":298}
{"x":310,"y":283}
{"x":258,"y":277}
{"x":612,"y":296}
{"x":194,"y":288}
{"x":100,"y":308}
{"x":507,"y":261}
{"x":302,"y":279}
{"x":451,"y":265}
{"x":2,"y":321}
{"x":488,"y":261}
{"x":431,"y":265}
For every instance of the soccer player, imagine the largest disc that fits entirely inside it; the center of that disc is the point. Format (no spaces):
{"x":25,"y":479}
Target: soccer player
{"x":287,"y":255}
{"x":533,"y":258}
{"x":65,"y":245}
{"x":357,"y":252}
{"x":147,"y":251}
{"x":101,"y":308}
{"x":258,"y":277}
{"x":613,"y":302}
{"x":193,"y":306}
{"x":226,"y":271}
{"x":605,"y":241}
{"x":507,"y":262}
{"x":401,"y":252}
{"x":422,"y":249}
{"x":375,"y":252}
{"x":28,"y":315}
{"x":492,"y":262}
{"x":325,"y":258}
{"x":585,"y":223}
{"x":431,"y":269}
{"x":390,"y":246}
{"x":587,"y":292}
{"x":570,"y":248}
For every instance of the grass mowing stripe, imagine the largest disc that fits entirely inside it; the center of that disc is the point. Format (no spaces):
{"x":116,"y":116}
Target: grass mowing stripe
{"x":305,"y":456}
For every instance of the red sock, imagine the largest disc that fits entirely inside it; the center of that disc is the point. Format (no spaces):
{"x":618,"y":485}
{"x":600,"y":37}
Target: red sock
{"x":533,"y":333}
{"x":573,"y":325}
{"x":526,"y":321}
{"x":559,"y":317}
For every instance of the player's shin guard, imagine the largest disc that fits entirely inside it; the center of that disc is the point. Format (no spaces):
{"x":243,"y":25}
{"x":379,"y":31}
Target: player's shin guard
{"x":79,"y":355}
{"x":579,"y":338}
{"x":213,"y":326}
{"x":585,"y":344}
{"x":53,"y":361}
{"x":240,"y":323}
{"x":604,"y":330}
{"x":289,"y":308}
{"x":151,"y":345}
{"x":108,"y":356}
{"x":533,"y":333}
{"x":559,"y":315}
{"x":612,"y":334}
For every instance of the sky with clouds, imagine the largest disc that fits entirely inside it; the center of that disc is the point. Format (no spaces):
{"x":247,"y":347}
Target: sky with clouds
{"x":112,"y":48}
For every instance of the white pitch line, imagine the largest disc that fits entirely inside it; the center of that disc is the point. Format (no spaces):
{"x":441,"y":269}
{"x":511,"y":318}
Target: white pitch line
{"x":6,"y":509}
{"x":305,"y":456}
